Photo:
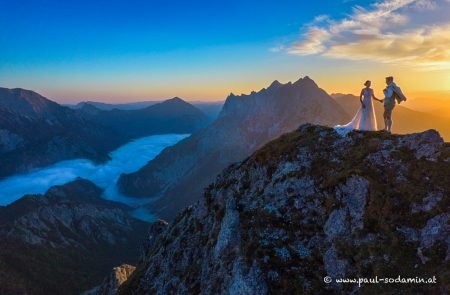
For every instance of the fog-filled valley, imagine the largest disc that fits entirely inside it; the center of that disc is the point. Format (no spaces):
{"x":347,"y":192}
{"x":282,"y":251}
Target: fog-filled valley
{"x":127,"y":158}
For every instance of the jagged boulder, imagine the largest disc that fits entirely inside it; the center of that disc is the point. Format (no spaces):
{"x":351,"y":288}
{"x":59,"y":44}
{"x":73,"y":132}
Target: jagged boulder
{"x":309,"y":205}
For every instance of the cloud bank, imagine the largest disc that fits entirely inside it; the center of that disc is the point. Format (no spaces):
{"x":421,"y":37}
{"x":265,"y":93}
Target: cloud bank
{"x":126,"y":159}
{"x":411,"y":32}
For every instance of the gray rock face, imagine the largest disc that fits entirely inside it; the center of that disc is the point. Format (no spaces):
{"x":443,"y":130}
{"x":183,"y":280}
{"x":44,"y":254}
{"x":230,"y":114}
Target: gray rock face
{"x":180,"y":173}
{"x":308,"y":205}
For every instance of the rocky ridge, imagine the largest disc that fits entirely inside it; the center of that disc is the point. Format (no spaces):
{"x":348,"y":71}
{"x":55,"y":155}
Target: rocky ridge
{"x":308,"y":205}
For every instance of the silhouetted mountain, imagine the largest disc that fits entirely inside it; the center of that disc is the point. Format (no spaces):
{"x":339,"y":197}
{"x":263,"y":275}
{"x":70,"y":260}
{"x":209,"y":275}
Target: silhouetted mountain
{"x":35,"y":131}
{"x":210,"y":108}
{"x":120,"y":106}
{"x":65,"y":241}
{"x":309,"y":206}
{"x":179,"y":174}
{"x":171,"y":116}
{"x":405,"y":119}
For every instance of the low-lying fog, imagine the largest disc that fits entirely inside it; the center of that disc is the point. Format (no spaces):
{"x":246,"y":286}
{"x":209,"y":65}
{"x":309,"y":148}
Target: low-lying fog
{"x":128,"y":158}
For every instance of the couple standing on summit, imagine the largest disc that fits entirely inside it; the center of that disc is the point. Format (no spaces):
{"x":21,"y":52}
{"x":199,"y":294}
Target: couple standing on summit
{"x":365,"y":117}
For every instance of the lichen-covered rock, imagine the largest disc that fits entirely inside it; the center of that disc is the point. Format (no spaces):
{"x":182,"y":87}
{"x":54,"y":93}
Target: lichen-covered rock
{"x":312,"y":204}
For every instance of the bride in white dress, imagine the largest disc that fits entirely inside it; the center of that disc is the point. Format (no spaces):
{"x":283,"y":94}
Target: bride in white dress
{"x":365,"y":117}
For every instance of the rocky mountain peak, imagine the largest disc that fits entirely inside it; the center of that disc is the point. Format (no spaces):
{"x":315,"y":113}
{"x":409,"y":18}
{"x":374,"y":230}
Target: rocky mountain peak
{"x":307,"y":205}
{"x":275,"y":84}
{"x":305,"y":82}
{"x":179,"y":174}
{"x":22,"y":101}
{"x":277,"y":97}
{"x":174,"y":105}
{"x":175,"y":99}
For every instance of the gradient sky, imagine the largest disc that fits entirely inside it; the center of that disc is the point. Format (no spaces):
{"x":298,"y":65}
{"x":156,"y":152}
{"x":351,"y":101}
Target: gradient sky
{"x":202,"y":50}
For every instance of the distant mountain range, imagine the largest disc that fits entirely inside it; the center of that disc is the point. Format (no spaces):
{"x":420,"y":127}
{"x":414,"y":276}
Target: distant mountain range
{"x":170,"y":116}
{"x":180,"y":173}
{"x":437,"y":104}
{"x":65,"y":241}
{"x":35,"y":131}
{"x":405,"y":120}
{"x":210,"y":109}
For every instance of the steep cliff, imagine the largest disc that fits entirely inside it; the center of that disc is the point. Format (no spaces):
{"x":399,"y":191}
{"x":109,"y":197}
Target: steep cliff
{"x":309,"y":205}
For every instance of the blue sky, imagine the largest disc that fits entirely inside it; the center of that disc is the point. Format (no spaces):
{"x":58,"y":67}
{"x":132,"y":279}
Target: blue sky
{"x":134,"y":50}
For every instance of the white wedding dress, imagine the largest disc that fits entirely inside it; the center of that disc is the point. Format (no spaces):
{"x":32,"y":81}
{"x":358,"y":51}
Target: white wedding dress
{"x":365,"y":117}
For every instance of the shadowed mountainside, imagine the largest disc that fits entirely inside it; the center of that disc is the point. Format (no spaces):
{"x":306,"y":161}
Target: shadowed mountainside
{"x":170,"y":116}
{"x":35,"y":132}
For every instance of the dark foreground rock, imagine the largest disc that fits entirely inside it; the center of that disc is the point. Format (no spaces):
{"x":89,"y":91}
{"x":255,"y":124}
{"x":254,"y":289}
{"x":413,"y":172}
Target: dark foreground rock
{"x":308,"y":205}
{"x":66,"y":241}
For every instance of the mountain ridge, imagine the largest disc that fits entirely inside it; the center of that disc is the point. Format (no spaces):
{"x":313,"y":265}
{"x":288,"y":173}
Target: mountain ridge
{"x":180,"y":172}
{"x":170,"y":116}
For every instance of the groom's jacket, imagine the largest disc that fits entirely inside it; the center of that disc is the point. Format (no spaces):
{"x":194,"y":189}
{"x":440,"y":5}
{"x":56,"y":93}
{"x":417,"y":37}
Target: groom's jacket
{"x":393,"y":93}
